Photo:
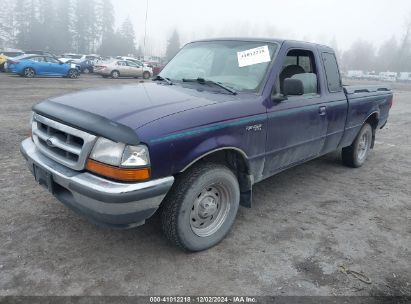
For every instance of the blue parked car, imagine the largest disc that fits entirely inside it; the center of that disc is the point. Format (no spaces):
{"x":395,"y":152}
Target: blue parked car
{"x":31,"y":65}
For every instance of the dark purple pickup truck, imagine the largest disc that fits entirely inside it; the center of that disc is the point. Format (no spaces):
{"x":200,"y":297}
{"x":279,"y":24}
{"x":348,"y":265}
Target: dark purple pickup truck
{"x":223,"y":115}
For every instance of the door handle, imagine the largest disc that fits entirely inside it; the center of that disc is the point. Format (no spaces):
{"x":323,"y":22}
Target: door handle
{"x":322,"y":111}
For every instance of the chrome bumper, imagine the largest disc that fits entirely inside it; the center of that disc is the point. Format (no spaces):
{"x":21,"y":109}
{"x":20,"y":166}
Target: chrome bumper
{"x":104,"y":202}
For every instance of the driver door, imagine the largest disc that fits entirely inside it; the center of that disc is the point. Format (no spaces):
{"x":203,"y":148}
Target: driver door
{"x":54,"y":67}
{"x":297,"y":125}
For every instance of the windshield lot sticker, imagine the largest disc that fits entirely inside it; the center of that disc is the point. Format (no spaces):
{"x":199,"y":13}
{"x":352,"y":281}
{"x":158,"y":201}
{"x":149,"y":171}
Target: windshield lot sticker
{"x":253,"y":56}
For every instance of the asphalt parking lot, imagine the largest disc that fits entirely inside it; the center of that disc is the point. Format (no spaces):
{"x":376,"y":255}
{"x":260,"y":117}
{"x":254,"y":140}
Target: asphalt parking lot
{"x":305,"y":224}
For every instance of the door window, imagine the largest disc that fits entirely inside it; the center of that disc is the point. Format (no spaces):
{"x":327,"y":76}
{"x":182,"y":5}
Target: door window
{"x":132,"y":64}
{"x":300,"y":64}
{"x":332,"y":73}
{"x":51,"y":60}
{"x":37,"y":59}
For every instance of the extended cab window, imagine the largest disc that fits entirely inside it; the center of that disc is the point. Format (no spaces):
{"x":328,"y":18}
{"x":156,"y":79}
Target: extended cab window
{"x":300,"y":64}
{"x":332,"y":73}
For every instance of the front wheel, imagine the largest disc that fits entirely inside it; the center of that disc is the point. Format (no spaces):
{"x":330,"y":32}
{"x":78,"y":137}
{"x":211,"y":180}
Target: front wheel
{"x":201,"y":207}
{"x":29,"y":73}
{"x":355,"y":155}
{"x":73,"y":74}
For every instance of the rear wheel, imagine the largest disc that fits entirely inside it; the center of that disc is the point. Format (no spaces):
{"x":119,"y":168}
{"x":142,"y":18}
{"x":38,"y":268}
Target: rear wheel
{"x":201,"y":207}
{"x":115,"y":74}
{"x":146,"y":75}
{"x":73,"y":73}
{"x":355,"y":155}
{"x":29,"y":73}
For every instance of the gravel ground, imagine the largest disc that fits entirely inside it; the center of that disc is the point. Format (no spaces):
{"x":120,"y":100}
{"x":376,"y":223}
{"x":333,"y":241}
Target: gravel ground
{"x":305,"y":223}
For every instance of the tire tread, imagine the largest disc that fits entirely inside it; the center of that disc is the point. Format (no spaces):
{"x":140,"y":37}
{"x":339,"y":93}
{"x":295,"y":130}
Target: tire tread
{"x":174,"y":199}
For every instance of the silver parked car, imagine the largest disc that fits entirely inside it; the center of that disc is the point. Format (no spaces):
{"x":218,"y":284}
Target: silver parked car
{"x":122,"y":68}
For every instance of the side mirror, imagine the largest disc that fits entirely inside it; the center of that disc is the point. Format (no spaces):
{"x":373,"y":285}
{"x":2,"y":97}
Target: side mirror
{"x":293,"y":87}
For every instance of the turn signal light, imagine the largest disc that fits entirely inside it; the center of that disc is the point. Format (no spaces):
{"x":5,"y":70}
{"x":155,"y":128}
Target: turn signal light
{"x":120,"y":174}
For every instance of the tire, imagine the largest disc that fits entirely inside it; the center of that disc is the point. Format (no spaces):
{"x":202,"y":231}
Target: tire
{"x":355,"y":155}
{"x":146,"y":75}
{"x":201,"y":207}
{"x":115,"y":74}
{"x":73,"y":74}
{"x":29,"y":73}
{"x":86,"y":71}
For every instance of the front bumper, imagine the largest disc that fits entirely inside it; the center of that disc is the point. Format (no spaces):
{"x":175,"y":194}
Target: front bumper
{"x":104,"y":202}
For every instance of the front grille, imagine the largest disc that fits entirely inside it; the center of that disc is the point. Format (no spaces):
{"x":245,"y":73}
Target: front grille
{"x":64,"y":144}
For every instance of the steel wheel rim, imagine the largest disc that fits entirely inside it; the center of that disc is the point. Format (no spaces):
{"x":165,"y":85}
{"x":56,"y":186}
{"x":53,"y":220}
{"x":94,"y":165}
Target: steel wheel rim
{"x":115,"y":74}
{"x":363,"y":146}
{"x":210,"y":209}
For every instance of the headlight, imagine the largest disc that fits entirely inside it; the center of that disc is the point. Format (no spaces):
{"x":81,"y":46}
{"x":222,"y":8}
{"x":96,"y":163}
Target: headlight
{"x":119,"y":161}
{"x":107,"y":151}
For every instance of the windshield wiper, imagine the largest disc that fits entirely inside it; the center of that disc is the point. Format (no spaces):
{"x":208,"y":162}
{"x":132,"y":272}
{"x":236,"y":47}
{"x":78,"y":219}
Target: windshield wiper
{"x":208,"y":81}
{"x":160,"y":78}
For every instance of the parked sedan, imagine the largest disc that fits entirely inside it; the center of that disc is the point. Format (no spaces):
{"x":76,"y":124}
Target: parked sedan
{"x":122,"y":68}
{"x":31,"y":65}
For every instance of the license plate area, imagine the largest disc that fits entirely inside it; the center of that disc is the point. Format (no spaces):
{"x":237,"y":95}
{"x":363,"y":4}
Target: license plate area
{"x":43,"y":177}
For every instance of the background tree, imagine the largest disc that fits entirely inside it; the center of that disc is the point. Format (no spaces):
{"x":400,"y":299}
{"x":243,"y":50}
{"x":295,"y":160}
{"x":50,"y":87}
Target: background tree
{"x":7,"y":23}
{"x":173,"y":45}
{"x":107,"y":28}
{"x":84,"y":26}
{"x":361,"y":56}
{"x":63,"y":39}
{"x":128,"y":37}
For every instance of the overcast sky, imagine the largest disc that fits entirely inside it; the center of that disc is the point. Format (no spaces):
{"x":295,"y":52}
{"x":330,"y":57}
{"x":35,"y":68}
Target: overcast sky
{"x":312,"y":20}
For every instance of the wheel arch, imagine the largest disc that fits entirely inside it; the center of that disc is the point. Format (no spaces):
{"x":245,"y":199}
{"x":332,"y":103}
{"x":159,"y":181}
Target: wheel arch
{"x":237,"y":160}
{"x":373,"y":119}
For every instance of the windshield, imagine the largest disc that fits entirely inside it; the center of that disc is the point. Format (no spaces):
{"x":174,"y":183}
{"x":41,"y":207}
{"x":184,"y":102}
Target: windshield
{"x":240,"y":65}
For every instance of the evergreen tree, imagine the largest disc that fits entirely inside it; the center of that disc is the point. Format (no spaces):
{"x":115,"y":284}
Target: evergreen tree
{"x":63,"y":40}
{"x":22,"y":13}
{"x":7,"y":24}
{"x":173,"y":45}
{"x":106,"y":22}
{"x":127,"y":36}
{"x":84,"y":26}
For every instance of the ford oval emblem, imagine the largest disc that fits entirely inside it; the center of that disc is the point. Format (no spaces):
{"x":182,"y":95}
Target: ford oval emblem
{"x":50,"y":142}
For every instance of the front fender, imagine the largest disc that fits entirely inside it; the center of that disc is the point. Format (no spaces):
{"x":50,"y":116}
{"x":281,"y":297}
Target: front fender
{"x":206,"y":147}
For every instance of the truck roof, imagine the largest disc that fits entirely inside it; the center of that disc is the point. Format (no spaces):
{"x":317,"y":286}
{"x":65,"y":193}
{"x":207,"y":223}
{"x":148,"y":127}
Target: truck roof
{"x":269,"y":40}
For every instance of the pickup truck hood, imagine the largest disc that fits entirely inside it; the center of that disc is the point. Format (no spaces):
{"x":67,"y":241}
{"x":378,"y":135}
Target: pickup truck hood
{"x":136,"y":105}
